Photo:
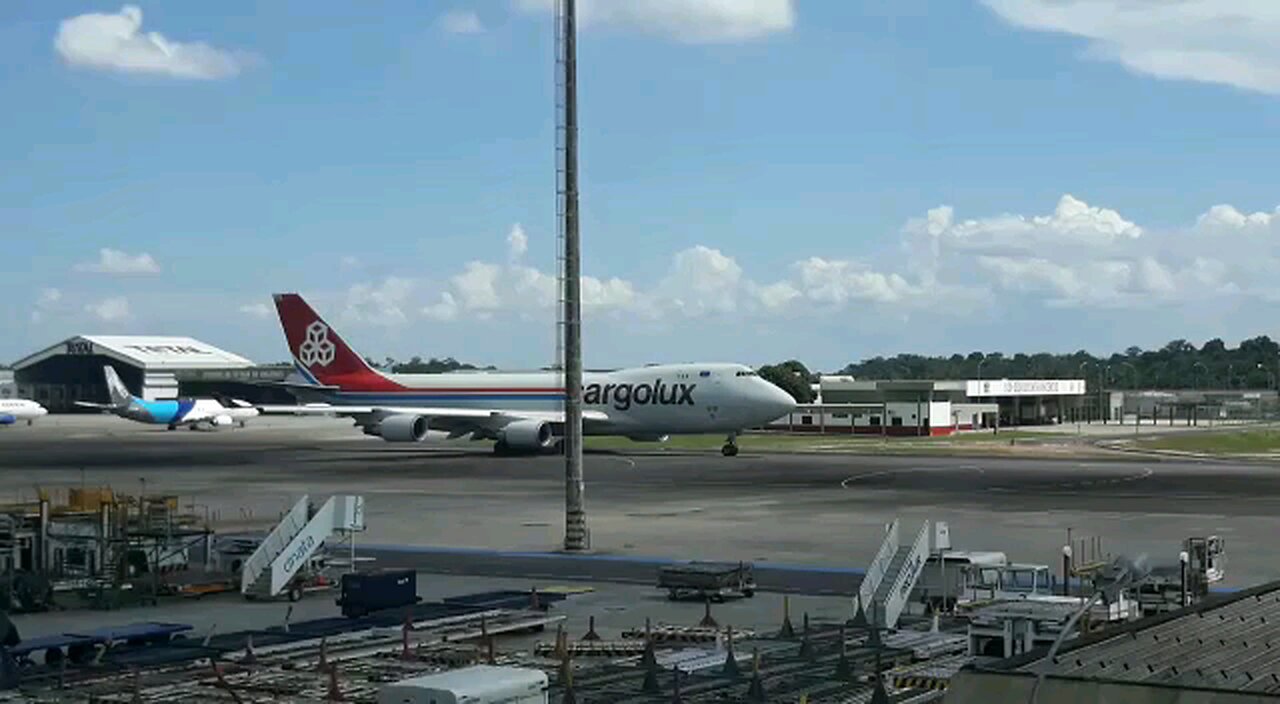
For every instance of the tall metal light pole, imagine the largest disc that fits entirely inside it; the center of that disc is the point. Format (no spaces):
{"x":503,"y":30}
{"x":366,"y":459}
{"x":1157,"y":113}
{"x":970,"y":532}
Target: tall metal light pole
{"x":575,"y":515}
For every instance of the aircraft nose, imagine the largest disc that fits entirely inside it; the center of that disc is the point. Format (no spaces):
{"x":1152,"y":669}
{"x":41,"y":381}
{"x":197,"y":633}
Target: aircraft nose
{"x":780,"y":402}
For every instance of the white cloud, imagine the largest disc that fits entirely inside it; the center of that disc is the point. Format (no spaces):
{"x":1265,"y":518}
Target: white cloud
{"x":113,"y":261}
{"x":257,"y":310}
{"x":477,"y":286}
{"x":1213,"y":41}
{"x":517,"y":242}
{"x":116,"y":42}
{"x":461,"y":22}
{"x":1226,"y":217}
{"x":1071,"y":225}
{"x":692,"y":21}
{"x":1224,"y":252}
{"x":109,"y":310}
{"x":47,"y":301}
{"x":383,"y":304}
{"x":1087,"y":283}
{"x":443,"y":310}
{"x":776,"y":296}
{"x":609,"y":294}
{"x":1077,"y":255}
{"x":838,"y":282}
{"x":702,"y":280}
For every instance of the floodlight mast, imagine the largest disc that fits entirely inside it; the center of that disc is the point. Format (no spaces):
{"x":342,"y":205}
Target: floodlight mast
{"x":569,"y":333}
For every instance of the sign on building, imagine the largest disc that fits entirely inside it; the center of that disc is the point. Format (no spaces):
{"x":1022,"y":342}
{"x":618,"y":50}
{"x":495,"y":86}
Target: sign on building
{"x":1025,"y":387}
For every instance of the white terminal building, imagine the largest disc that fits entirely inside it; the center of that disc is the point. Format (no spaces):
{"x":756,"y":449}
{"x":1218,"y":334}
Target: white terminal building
{"x":152,"y":367}
{"x":847,"y":405}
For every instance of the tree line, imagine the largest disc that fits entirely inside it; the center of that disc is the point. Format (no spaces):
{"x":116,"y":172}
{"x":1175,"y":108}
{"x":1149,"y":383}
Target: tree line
{"x":1254,"y":364}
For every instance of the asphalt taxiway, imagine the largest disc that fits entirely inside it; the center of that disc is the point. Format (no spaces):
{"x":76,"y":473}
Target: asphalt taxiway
{"x":787,"y":509}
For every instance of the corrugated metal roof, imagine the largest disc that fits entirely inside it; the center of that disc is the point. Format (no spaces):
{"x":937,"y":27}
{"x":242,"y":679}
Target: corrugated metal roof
{"x":1230,"y":644}
{"x":146,"y":352}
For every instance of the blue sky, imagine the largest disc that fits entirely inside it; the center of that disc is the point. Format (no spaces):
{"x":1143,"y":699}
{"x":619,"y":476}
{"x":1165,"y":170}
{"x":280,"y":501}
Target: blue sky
{"x":826,"y":180}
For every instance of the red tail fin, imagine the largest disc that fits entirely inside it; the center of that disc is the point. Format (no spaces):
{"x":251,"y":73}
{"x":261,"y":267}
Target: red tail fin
{"x":320,"y":352}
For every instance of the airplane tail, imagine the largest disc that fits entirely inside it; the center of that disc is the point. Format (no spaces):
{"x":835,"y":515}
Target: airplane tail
{"x":319,"y":353}
{"x":120,"y":395}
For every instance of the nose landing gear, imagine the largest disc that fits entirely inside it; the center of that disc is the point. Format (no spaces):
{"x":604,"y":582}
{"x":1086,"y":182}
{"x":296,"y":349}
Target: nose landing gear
{"x":730,"y":448}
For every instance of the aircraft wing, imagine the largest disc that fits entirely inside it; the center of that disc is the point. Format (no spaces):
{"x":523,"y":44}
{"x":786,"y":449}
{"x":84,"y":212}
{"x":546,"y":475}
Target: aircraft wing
{"x":453,"y":420}
{"x":99,"y":406}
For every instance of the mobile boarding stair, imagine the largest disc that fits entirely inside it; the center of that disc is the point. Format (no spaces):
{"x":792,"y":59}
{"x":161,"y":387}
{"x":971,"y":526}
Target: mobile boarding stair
{"x":887,"y":585}
{"x":289,"y":547}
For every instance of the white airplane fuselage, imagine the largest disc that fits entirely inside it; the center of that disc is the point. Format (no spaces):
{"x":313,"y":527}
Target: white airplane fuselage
{"x":647,"y":401}
{"x":17,"y":410}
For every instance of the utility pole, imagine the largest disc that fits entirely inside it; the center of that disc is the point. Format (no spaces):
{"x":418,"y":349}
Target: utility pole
{"x":575,"y":516}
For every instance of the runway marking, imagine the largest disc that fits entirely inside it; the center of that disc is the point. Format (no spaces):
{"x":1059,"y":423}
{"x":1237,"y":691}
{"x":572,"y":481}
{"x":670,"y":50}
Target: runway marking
{"x":631,"y":464}
{"x":844,"y":483}
{"x":1079,"y":483}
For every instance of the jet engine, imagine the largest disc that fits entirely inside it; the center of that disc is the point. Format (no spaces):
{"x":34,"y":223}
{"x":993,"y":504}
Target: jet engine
{"x":526,"y":435}
{"x":222,"y":421}
{"x":403,"y":428}
{"x":8,"y":420}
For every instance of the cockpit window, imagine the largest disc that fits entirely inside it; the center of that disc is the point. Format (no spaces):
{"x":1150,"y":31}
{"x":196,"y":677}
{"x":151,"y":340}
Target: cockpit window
{"x":745,"y":373}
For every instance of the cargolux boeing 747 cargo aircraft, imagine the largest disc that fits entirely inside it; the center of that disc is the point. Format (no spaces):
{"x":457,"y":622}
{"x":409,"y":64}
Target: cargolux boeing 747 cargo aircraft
{"x":522,"y":412}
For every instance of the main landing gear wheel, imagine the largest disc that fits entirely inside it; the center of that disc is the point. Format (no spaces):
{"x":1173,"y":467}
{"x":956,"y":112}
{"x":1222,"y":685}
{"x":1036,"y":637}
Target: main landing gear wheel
{"x":730,"y":448}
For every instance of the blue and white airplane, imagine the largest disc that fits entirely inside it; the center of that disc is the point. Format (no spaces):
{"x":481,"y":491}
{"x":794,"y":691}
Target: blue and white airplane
{"x":189,"y":412}
{"x":16,"y":410}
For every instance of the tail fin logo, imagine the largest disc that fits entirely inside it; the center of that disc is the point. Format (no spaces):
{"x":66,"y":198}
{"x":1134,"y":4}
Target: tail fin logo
{"x":317,"y":349}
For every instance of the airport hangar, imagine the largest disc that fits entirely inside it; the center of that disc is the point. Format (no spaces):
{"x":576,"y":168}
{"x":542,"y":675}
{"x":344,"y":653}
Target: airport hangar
{"x":152,"y":367}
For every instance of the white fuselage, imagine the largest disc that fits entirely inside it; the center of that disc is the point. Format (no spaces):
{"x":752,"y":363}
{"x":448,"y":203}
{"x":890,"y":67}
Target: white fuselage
{"x":647,"y":401}
{"x":16,"y":410}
